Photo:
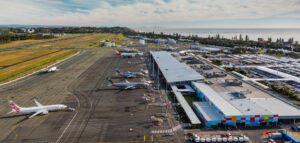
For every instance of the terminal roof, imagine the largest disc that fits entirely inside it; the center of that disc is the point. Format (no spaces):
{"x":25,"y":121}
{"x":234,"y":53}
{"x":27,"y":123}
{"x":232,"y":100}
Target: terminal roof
{"x":219,"y":101}
{"x":275,"y":106}
{"x":186,"y":107}
{"x":173,"y":70}
{"x":279,"y":73}
{"x":207,"y":111}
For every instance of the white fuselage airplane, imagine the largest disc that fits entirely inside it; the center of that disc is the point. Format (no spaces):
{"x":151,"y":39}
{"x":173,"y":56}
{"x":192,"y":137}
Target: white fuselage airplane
{"x":128,"y":54}
{"x":52,"y":69}
{"x":128,"y":85}
{"x":130,"y":74}
{"x":39,"y":109}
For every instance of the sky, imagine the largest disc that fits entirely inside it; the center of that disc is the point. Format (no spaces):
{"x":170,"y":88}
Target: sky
{"x":152,"y":13}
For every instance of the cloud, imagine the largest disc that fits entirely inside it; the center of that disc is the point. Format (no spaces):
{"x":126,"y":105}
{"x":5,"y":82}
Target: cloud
{"x":141,"y":12}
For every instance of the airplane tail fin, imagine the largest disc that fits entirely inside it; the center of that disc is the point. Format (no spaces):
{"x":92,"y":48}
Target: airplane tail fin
{"x":117,"y":52}
{"x":144,"y":71}
{"x":110,"y":82}
{"x":117,"y":71}
{"x":14,"y":106}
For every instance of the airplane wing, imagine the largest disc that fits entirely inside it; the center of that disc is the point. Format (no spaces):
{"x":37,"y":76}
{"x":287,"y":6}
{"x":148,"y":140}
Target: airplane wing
{"x":10,"y":112}
{"x":37,"y":103}
{"x":131,"y":76}
{"x":36,"y":113}
{"x":129,"y":87}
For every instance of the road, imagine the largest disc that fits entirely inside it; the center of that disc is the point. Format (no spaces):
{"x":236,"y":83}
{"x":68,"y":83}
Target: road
{"x":103,"y":114}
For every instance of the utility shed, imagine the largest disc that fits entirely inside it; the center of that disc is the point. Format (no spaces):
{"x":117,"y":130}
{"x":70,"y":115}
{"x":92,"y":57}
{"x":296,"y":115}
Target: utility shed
{"x":186,"y":107}
{"x":173,"y":70}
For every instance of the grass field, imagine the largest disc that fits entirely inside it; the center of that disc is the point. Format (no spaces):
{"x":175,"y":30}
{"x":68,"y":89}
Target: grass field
{"x":26,"y":42}
{"x":29,"y":62}
{"x":118,"y":38}
{"x":17,"y":63}
{"x":190,"y":99}
{"x":152,"y":45}
{"x":70,"y":42}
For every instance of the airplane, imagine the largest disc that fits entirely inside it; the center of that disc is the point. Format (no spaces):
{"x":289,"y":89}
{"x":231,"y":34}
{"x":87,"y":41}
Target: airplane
{"x":127,"y":49}
{"x":123,"y":54}
{"x":52,"y":69}
{"x":128,"y":85}
{"x":130,"y":74}
{"x":132,"y":50}
{"x":39,"y":109}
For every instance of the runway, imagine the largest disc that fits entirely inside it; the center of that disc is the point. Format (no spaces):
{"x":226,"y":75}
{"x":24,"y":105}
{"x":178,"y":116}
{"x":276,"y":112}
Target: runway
{"x":103,"y":114}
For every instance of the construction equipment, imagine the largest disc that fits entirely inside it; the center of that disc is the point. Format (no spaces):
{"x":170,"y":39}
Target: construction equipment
{"x":156,"y":120}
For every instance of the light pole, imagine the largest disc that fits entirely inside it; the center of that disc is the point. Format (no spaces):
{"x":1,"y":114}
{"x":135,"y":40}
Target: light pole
{"x":166,"y":82}
{"x":153,"y":73}
{"x":158,"y":77}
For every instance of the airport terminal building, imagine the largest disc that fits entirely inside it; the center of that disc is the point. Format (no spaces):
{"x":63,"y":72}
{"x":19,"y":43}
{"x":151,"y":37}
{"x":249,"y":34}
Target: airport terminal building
{"x":215,"y":110}
{"x":226,"y":109}
{"x":219,"y":108}
{"x":174,"y":73}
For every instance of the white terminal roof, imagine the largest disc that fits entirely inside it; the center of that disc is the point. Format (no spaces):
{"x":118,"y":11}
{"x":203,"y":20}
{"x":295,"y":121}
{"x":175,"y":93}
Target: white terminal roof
{"x":246,"y":105}
{"x":207,"y":111}
{"x":275,"y":106}
{"x":219,"y":101}
{"x":231,"y":105}
{"x":186,"y":107}
{"x":279,"y":73}
{"x":173,"y":70}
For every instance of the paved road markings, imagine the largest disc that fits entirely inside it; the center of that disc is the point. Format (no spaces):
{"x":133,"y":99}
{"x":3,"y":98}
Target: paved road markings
{"x":161,"y":131}
{"x":78,"y":107}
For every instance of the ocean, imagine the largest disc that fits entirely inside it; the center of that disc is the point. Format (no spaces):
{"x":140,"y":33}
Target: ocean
{"x":253,"y":34}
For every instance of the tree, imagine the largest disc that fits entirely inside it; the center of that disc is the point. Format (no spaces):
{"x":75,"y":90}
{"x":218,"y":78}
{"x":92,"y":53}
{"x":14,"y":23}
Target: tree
{"x":241,"y":37}
{"x":247,"y":38}
{"x":269,"y":39}
{"x":217,"y":62}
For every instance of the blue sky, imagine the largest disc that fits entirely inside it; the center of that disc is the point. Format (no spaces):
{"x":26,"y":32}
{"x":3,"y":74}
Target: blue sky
{"x":149,"y":13}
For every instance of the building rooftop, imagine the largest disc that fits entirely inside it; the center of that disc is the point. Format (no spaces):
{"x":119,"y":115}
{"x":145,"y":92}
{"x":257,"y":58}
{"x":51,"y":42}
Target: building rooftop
{"x":232,"y":105}
{"x":279,"y":73}
{"x":246,"y":105}
{"x":186,"y":107}
{"x":219,"y":101}
{"x":275,"y":106}
{"x":173,"y":70}
{"x":208,"y":112}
